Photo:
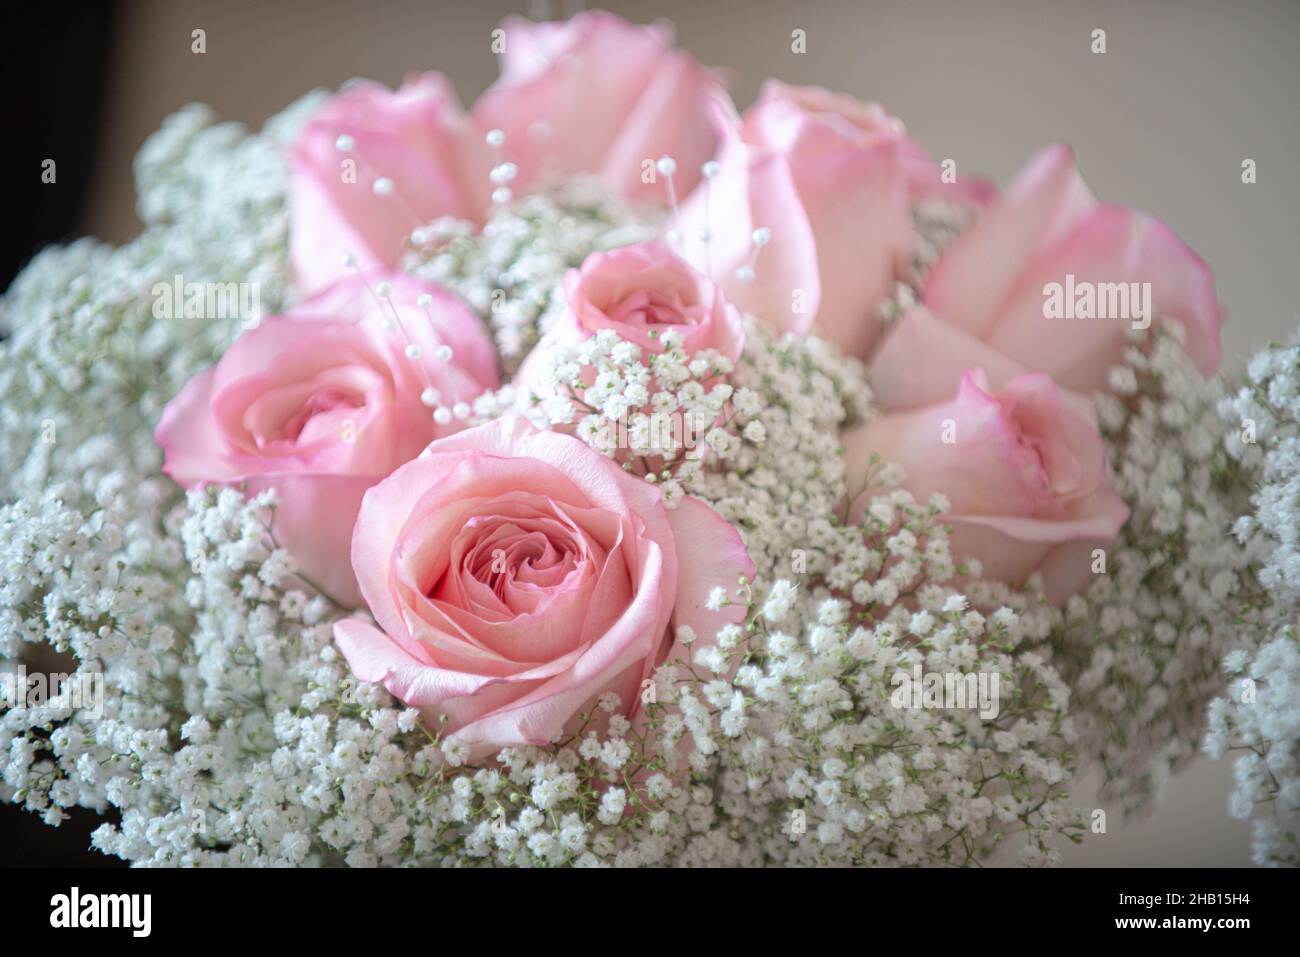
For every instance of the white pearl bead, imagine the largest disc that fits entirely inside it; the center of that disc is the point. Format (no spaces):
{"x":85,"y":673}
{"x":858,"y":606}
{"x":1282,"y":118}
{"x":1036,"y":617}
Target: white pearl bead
{"x":495,"y":137}
{"x":344,"y":143}
{"x":383,"y":186}
{"x":430,"y":397}
{"x":666,"y":165}
{"x":444,"y":353}
{"x":412,"y":351}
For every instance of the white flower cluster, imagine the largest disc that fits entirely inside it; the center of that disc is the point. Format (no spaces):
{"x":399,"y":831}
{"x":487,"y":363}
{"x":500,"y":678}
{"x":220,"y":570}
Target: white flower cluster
{"x":85,"y":368}
{"x":665,"y":416}
{"x":1259,"y":718}
{"x":1263,"y":433}
{"x":100,"y":594}
{"x":1141,"y":648}
{"x":509,"y":272}
{"x":1259,"y":721}
{"x":84,"y":354}
{"x":784,"y":484}
{"x":877,"y":771}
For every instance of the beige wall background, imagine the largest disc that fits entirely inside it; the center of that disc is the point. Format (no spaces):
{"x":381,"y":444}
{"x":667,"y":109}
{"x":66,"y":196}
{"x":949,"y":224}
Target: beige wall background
{"x":1162,"y":121}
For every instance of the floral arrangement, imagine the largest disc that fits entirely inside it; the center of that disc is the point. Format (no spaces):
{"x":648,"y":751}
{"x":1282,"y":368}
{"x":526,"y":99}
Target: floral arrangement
{"x":607,"y":477}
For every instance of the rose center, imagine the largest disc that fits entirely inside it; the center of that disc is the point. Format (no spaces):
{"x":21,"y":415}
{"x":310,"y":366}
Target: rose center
{"x":645,"y":309}
{"x":519,"y":563}
{"x":325,"y":401}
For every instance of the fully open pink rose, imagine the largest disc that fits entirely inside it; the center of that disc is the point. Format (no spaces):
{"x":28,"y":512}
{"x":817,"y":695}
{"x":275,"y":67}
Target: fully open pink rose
{"x":831,"y":179}
{"x":323,"y":402}
{"x":516,"y":575}
{"x":984,"y":302}
{"x":600,"y":96}
{"x":1025,"y":473}
{"x":427,"y":156}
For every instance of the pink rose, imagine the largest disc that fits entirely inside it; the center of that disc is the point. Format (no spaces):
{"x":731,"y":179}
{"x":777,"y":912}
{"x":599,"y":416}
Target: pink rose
{"x":323,"y":402}
{"x":598,"y":95}
{"x":789,"y":111}
{"x":372,"y":166}
{"x":1025,"y":473}
{"x":516,"y":575}
{"x":984,"y":302}
{"x":645,"y":290}
{"x":831,"y":180}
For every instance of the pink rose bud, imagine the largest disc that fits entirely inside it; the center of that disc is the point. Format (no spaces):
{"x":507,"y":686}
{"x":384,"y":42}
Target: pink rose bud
{"x":324,"y":401}
{"x":646,"y":290}
{"x":640,"y":292}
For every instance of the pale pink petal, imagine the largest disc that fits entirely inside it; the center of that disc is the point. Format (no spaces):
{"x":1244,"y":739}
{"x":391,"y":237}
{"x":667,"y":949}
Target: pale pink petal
{"x":972,"y":280}
{"x":418,"y":139}
{"x":599,"y":95}
{"x":786,"y":290}
{"x":193,"y":448}
{"x":668,"y":119}
{"x":1182,"y":288}
{"x":314,"y":521}
{"x":857,"y":206}
{"x":921,"y":359}
{"x":1078,"y":353}
{"x":373,"y":656}
{"x":710,"y":553}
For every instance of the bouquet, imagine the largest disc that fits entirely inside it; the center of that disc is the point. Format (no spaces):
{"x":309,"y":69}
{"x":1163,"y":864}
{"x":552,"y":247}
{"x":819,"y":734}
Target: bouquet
{"x":604,"y":476}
